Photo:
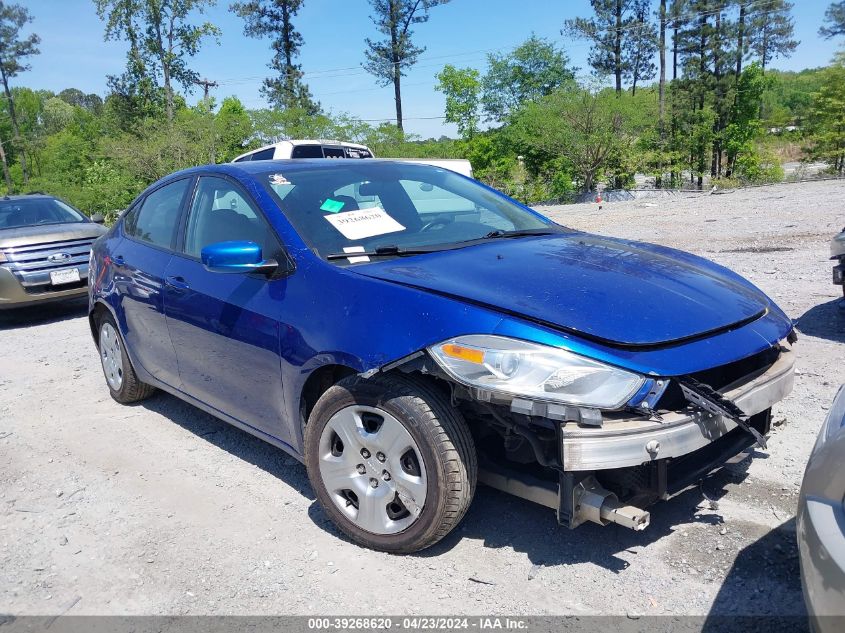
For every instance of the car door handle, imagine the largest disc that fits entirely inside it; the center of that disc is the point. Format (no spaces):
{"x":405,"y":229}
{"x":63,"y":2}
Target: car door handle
{"x":119,"y":261}
{"x":177,"y":282}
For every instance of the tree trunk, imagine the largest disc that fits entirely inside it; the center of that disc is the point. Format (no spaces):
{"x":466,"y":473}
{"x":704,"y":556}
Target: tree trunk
{"x":15,"y":127}
{"x":675,"y":52}
{"x":764,"y":56}
{"x":10,"y":188}
{"x":617,"y":48}
{"x":702,"y":67}
{"x":397,"y":68}
{"x":661,"y":94}
{"x":740,"y":37}
{"x":397,"y":94}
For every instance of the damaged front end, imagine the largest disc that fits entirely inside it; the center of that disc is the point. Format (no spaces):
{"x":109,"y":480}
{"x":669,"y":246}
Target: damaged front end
{"x":597,"y":443}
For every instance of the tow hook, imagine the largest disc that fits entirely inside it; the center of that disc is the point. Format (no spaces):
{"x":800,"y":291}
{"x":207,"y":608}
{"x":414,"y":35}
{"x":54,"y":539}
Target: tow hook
{"x":596,"y":504}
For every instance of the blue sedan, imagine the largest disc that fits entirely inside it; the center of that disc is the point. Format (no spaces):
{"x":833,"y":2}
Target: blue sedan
{"x":407,"y":332}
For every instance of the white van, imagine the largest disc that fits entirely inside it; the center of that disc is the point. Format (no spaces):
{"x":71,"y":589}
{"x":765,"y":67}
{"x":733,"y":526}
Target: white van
{"x":307,"y":149}
{"x":304,"y":148}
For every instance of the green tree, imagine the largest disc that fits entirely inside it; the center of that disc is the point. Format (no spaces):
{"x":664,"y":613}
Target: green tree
{"x":163,"y":37}
{"x":834,"y":19}
{"x":462,"y":87}
{"x":624,"y":40}
{"x":745,"y":125}
{"x":14,"y":49}
{"x":274,"y":18}
{"x":585,"y":128}
{"x":388,"y":59}
{"x":532,"y":70}
{"x":134,"y":94}
{"x":57,"y":115}
{"x":75,"y":97}
{"x":771,"y":32}
{"x":827,"y":118}
{"x":639,"y":46}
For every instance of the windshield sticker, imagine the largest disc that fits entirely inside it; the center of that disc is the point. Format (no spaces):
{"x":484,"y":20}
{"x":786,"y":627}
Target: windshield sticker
{"x":278,"y":179}
{"x":355,"y":249}
{"x":363,"y":223}
{"x":332,"y":206}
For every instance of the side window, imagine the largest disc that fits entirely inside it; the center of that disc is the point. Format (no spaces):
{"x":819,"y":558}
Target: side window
{"x":307,"y":151}
{"x":221,"y":212}
{"x":243,"y":159}
{"x":264,"y":154}
{"x":156,"y":219}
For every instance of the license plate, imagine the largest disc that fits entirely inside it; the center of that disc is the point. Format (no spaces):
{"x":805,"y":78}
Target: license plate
{"x":68,"y":276}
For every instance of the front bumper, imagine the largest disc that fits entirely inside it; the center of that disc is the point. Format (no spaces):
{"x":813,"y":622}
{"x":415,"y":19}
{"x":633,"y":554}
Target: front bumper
{"x":37,"y":289}
{"x":624,"y":443}
{"x":606,"y":472}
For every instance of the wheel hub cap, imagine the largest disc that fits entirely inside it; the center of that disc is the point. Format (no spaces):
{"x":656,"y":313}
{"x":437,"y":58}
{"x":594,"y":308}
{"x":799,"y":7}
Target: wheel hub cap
{"x":372,"y":469}
{"x":111,"y":357}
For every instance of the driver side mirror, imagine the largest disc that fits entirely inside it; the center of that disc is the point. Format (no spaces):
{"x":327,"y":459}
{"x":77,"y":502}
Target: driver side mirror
{"x":98,"y":218}
{"x":236,"y":257}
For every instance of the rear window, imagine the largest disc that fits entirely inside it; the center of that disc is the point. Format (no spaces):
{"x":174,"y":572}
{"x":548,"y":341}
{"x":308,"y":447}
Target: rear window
{"x":36,"y":211}
{"x":307,"y":151}
{"x":264,"y":154}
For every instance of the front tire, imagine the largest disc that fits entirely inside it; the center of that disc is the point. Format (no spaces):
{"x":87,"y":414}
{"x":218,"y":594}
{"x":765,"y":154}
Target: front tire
{"x":121,"y":379}
{"x":391,"y":462}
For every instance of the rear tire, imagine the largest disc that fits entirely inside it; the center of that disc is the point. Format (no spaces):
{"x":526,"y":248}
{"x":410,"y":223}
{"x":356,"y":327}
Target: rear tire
{"x":361,"y":429}
{"x":121,"y":379}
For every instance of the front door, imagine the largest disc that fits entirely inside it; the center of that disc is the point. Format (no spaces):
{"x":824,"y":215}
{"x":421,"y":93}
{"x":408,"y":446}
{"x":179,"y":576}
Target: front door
{"x":225,"y":327}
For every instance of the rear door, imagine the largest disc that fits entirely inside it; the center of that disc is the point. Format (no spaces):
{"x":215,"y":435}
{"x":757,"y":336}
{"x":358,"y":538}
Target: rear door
{"x":225,"y":327}
{"x":140,"y":261}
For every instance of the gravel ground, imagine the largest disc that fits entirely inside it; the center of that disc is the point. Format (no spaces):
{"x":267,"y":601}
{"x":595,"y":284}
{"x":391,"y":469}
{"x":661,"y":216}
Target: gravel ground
{"x":162,"y":509}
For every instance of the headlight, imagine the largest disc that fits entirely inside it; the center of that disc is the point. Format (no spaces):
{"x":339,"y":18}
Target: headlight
{"x":538,"y":372}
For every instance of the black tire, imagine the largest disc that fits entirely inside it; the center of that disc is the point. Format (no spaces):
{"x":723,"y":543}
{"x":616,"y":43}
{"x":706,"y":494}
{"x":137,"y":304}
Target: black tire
{"x":131,"y":388}
{"x":444,"y":441}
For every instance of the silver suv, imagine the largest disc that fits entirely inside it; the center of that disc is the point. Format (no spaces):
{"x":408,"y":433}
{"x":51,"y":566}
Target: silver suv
{"x":44,"y":249}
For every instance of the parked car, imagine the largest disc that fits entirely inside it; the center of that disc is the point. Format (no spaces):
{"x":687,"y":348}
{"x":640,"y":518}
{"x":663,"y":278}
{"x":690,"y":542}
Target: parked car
{"x":821,"y":524}
{"x":44,"y":249}
{"x":403,"y":355}
{"x":341,"y":149}
{"x":306,"y":148}
{"x":837,"y":252}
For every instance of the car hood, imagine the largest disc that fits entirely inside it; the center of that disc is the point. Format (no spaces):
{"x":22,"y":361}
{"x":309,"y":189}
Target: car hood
{"x":46,"y":233}
{"x":608,"y":290}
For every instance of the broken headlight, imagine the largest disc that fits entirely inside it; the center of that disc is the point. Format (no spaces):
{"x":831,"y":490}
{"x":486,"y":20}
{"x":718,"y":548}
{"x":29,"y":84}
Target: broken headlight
{"x":528,"y":370}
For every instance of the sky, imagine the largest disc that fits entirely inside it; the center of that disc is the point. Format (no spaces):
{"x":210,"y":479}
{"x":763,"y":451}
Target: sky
{"x":462,"y":33}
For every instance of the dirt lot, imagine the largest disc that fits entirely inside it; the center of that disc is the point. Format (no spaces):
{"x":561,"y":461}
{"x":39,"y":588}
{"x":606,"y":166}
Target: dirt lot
{"x":160,"y":508}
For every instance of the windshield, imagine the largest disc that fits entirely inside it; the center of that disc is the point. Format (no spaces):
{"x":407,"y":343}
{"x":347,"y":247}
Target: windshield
{"x":36,"y":211}
{"x":363,"y":206}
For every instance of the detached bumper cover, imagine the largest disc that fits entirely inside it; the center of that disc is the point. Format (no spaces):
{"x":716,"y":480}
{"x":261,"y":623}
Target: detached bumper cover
{"x":625,"y":443}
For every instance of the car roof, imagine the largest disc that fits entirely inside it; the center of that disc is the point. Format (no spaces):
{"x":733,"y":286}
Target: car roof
{"x":252,"y":168}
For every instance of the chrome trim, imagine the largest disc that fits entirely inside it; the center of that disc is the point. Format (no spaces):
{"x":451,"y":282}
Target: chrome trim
{"x":33,"y":263}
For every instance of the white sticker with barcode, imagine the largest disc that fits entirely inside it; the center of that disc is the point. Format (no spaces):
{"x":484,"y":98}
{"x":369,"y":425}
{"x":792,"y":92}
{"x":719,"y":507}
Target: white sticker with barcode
{"x":364,"y":223}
